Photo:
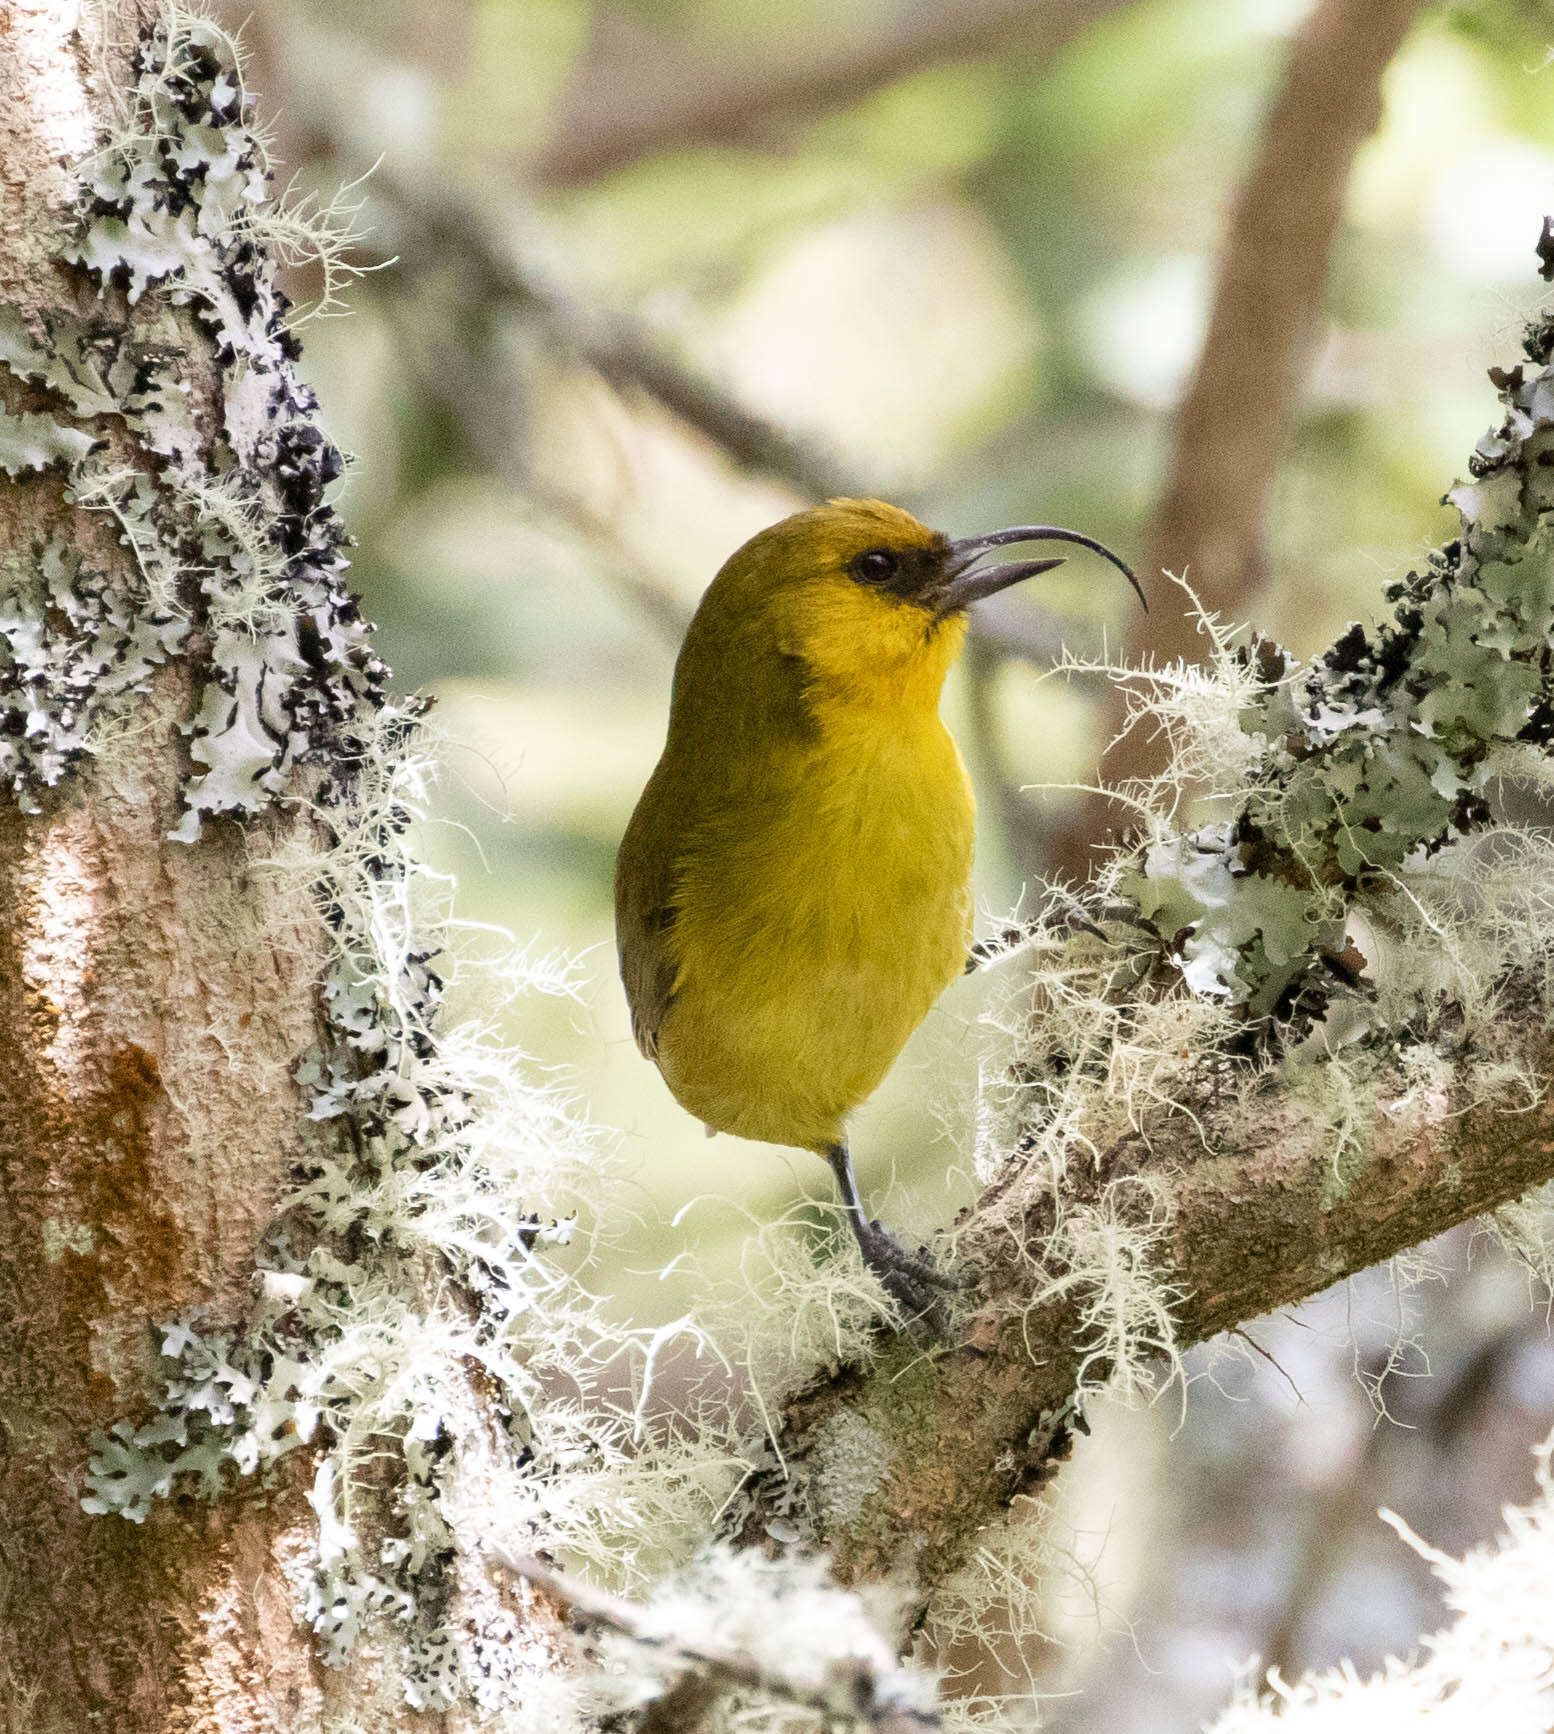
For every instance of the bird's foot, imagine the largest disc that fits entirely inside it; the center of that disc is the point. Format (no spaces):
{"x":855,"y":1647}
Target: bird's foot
{"x":914,"y":1283}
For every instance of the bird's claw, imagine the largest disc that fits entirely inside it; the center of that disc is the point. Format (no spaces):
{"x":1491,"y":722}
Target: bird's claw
{"x":892,"y":1253}
{"x":914,"y":1283}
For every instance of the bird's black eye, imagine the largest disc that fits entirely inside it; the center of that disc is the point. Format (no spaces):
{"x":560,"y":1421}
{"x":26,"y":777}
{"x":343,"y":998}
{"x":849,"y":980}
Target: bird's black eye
{"x":875,"y":566}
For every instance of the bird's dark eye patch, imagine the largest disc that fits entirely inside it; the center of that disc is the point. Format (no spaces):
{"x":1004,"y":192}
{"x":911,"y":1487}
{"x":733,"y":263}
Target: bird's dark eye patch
{"x":875,"y":566}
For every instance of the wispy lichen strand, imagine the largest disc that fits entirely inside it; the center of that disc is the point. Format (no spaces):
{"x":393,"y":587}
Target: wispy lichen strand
{"x":1493,"y":1666}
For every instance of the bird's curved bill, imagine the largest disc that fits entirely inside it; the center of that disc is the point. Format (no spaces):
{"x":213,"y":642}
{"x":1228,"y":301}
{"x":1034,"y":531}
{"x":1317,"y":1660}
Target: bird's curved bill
{"x":968,"y":584}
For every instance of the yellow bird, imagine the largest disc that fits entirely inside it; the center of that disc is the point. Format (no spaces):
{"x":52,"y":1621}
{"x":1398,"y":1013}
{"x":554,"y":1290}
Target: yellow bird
{"x":793,"y":891}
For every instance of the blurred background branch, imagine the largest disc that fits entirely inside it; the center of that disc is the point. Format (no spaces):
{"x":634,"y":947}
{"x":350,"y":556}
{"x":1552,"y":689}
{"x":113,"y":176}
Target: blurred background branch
{"x":424,"y":227}
{"x":635,"y":92}
{"x":1235,"y":420}
{"x":431,"y":225}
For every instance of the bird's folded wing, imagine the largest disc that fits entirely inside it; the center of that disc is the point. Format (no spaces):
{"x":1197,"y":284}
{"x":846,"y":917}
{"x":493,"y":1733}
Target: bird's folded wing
{"x":649,"y":974}
{"x":644,"y":921}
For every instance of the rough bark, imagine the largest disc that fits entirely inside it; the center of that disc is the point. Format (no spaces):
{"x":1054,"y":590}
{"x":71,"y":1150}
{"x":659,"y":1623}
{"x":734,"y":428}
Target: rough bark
{"x":147,"y":1123}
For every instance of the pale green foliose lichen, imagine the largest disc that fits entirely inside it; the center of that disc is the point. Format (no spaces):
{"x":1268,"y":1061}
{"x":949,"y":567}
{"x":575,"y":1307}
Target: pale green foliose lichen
{"x":848,"y":1461}
{"x":1382,"y":751}
{"x":233,"y":534}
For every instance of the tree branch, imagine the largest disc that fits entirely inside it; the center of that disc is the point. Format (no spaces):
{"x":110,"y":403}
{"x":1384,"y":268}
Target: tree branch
{"x":635,"y":95}
{"x":1262,"y":1214}
{"x":1234,"y":422}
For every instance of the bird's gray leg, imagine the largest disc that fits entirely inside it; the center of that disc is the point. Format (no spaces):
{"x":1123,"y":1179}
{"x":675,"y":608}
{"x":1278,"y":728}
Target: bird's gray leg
{"x":905,"y":1277}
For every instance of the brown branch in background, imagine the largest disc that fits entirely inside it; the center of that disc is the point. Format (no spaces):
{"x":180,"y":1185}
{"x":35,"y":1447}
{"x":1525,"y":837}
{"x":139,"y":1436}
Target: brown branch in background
{"x":432,"y":222}
{"x":1336,"y":1514}
{"x":424,"y":225}
{"x":1235,"y":421}
{"x":1441,"y":1408}
{"x":636,"y":94}
{"x":866,"y":1693}
{"x":1253,"y":1227}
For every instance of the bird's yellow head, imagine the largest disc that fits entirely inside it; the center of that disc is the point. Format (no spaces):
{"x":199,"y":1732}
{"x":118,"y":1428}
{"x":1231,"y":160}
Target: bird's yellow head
{"x":865,"y":602}
{"x":849,"y":593}
{"x":851,"y":604}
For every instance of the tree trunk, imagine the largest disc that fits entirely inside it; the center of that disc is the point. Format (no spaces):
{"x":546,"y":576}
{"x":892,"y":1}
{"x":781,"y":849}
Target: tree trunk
{"x":157,"y":1001}
{"x":183,"y":687}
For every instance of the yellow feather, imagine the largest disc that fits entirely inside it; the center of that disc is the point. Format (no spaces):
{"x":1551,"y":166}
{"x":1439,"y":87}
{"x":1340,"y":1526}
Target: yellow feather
{"x":793,"y":890}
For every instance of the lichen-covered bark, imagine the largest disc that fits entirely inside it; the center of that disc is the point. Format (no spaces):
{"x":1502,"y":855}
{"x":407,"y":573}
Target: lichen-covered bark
{"x":155,"y":1000}
{"x":137,"y":1165}
{"x":186,"y":692}
{"x":1263,"y":1214}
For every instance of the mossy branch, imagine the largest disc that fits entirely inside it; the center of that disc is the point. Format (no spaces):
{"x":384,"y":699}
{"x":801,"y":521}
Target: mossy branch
{"x":1261,"y":1215}
{"x":849,"y":1685}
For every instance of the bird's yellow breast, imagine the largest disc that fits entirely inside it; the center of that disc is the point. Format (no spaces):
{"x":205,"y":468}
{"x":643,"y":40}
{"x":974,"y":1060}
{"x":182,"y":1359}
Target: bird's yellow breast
{"x":816,"y":921}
